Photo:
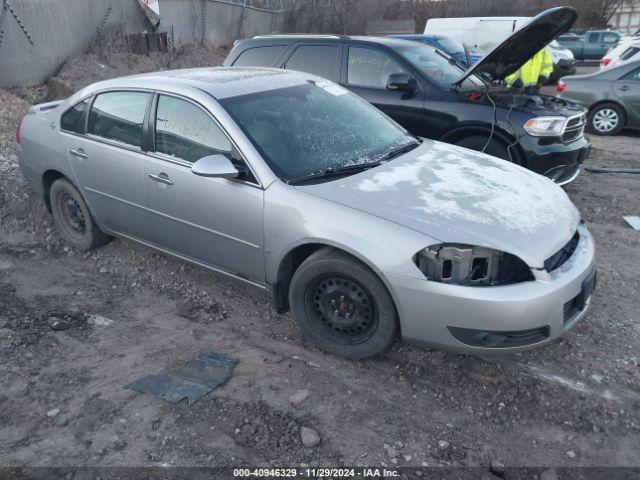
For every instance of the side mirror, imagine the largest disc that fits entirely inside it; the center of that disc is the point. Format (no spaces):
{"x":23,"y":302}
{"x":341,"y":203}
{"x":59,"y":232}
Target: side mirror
{"x":401,"y":82}
{"x":215,"y":166}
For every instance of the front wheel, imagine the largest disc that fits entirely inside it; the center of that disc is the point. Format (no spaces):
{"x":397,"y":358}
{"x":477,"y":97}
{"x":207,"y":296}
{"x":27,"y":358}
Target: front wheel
{"x":491,"y":147}
{"x":72,"y":217}
{"x":606,"y":119}
{"x":341,"y":306}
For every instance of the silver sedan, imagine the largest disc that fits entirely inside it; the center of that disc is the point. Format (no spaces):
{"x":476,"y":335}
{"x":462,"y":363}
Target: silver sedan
{"x":291,"y":183}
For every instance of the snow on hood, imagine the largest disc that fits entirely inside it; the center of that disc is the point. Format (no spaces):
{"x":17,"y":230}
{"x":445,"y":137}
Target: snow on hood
{"x":462,"y":196}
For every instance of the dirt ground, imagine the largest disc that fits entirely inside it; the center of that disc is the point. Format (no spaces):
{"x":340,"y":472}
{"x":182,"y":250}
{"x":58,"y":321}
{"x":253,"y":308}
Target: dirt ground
{"x":574,"y":402}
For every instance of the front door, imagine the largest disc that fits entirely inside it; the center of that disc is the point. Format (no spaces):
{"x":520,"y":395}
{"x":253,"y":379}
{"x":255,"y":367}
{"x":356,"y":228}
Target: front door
{"x":367,"y":72}
{"x":627,"y":89}
{"x":109,"y":162}
{"x":215,"y":221}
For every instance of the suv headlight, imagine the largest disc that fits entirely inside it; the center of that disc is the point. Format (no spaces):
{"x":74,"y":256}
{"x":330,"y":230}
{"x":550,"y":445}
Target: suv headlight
{"x":472,"y":266}
{"x":545,"y":126}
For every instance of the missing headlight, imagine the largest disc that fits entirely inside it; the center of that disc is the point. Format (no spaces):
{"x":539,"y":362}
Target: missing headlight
{"x":472,"y":266}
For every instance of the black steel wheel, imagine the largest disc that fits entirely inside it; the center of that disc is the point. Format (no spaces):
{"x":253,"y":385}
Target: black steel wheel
{"x":72,"y":217}
{"x":341,"y":306}
{"x":342,"y":309}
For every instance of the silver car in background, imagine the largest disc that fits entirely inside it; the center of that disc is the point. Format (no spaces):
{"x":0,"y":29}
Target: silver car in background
{"x":293,"y":184}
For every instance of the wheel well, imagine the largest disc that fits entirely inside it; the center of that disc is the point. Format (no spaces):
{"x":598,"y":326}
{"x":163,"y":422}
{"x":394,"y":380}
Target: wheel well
{"x":287,"y":268}
{"x":459,"y":134}
{"x":48,"y":178}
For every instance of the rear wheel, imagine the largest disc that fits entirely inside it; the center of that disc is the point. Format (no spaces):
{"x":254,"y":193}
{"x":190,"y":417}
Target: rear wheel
{"x":72,"y":217}
{"x":606,"y":119}
{"x":494,"y":147}
{"x":341,"y":306}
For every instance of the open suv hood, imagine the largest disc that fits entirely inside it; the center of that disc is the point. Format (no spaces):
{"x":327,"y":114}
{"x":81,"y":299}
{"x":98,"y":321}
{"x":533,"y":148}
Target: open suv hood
{"x":524,"y":43}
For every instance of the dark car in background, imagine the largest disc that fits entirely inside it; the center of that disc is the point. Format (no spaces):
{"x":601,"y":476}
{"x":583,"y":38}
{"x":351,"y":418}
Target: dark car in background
{"x":612,"y":97}
{"x":593,"y":45}
{"x":428,"y":93}
{"x":462,"y":53}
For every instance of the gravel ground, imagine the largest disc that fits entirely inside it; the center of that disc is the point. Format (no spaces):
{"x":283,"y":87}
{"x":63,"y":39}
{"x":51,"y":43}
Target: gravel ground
{"x":575,"y":402}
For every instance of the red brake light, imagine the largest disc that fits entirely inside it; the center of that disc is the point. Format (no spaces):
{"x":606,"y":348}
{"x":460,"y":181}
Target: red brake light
{"x":561,"y":87}
{"x":18,"y":131}
{"x":605,"y":61}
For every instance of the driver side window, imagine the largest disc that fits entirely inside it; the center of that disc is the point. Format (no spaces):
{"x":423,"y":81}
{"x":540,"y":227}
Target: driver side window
{"x":370,"y":68}
{"x":185,"y":131}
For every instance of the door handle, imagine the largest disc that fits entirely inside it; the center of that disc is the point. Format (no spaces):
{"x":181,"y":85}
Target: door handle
{"x":162,"y":178}
{"x":624,"y":88}
{"x":79,"y":153}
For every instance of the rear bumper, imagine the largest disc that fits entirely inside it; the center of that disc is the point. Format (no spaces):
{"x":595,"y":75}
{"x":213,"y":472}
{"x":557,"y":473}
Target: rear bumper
{"x":561,"y":162}
{"x":530,"y":313}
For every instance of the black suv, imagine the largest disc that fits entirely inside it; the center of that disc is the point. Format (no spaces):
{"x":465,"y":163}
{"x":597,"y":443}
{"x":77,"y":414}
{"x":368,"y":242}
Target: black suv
{"x":433,"y":96}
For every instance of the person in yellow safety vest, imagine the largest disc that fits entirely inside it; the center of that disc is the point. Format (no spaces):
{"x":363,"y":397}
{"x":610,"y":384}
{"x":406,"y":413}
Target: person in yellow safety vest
{"x":533,"y":74}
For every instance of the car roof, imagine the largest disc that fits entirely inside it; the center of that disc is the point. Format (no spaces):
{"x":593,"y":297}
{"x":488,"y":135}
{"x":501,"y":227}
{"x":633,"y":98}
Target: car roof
{"x":219,"y":82}
{"x":294,"y":38}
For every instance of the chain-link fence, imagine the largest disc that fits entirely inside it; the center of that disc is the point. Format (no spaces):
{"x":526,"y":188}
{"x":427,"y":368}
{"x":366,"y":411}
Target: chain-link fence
{"x":37,"y":36}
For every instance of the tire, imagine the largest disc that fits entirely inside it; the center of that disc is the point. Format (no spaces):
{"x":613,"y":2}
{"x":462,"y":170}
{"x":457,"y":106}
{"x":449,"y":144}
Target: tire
{"x":478,"y":142}
{"x":341,"y":306}
{"x":72,"y":217}
{"x":606,"y":119}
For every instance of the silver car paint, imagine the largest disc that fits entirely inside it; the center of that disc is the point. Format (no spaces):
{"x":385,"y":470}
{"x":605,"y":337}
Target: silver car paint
{"x":382,"y":216}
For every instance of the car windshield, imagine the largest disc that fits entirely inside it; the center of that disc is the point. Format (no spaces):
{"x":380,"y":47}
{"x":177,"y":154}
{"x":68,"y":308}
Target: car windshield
{"x":450,"y":46}
{"x":436,"y":67}
{"x":315,"y":127}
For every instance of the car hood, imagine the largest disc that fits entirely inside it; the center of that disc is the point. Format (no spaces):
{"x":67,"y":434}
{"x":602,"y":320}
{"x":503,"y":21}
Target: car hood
{"x":457,"y":195}
{"x":524,"y":43}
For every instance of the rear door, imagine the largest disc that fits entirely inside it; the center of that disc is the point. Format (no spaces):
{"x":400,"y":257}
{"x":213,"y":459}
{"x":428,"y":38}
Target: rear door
{"x":108,"y":160}
{"x":366,"y":70}
{"x":321,"y":60}
{"x":215,"y":221}
{"x":627,"y":89}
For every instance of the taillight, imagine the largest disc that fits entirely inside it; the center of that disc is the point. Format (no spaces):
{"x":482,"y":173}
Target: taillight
{"x":18,"y":131}
{"x":561,"y":87}
{"x":605,"y":61}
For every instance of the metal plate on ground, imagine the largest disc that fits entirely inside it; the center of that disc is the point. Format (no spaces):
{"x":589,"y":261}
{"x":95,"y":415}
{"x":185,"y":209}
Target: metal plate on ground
{"x":633,"y":221}
{"x":193,"y":380}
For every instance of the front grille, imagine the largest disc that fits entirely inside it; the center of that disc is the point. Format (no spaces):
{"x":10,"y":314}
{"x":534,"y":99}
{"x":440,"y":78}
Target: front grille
{"x":561,"y":256}
{"x":574,"y":128}
{"x":499,"y":339}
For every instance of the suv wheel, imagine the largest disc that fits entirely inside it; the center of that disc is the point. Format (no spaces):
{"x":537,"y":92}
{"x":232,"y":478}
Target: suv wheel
{"x":341,"y":306}
{"x":606,"y":119}
{"x":495,"y":148}
{"x":72,"y":217}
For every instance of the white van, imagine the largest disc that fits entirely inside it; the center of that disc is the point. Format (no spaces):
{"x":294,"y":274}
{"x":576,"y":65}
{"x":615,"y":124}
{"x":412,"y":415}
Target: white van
{"x":482,"y":32}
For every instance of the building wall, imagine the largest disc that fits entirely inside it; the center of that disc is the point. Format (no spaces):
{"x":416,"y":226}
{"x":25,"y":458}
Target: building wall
{"x":53,"y":30}
{"x":627,"y":18}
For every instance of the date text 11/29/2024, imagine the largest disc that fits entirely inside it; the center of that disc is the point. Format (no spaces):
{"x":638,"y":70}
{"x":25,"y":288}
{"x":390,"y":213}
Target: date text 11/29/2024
{"x":364,"y":472}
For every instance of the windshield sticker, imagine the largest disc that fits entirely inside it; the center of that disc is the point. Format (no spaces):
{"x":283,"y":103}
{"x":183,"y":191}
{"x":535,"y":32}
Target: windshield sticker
{"x":332,"y":88}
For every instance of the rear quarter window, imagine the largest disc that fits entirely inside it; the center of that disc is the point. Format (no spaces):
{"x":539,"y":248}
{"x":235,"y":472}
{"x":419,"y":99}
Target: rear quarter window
{"x":73,"y":119}
{"x":259,"y":56}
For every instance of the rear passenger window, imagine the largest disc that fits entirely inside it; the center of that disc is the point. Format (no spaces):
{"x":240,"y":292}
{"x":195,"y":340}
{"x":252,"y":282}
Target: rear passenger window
{"x":185,"y":131}
{"x":315,"y":59}
{"x":259,"y":57}
{"x":119,"y":116}
{"x":73,"y":119}
{"x":633,"y":76}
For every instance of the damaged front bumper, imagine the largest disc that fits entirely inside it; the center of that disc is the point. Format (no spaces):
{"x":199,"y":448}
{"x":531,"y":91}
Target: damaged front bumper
{"x":501,"y":318}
